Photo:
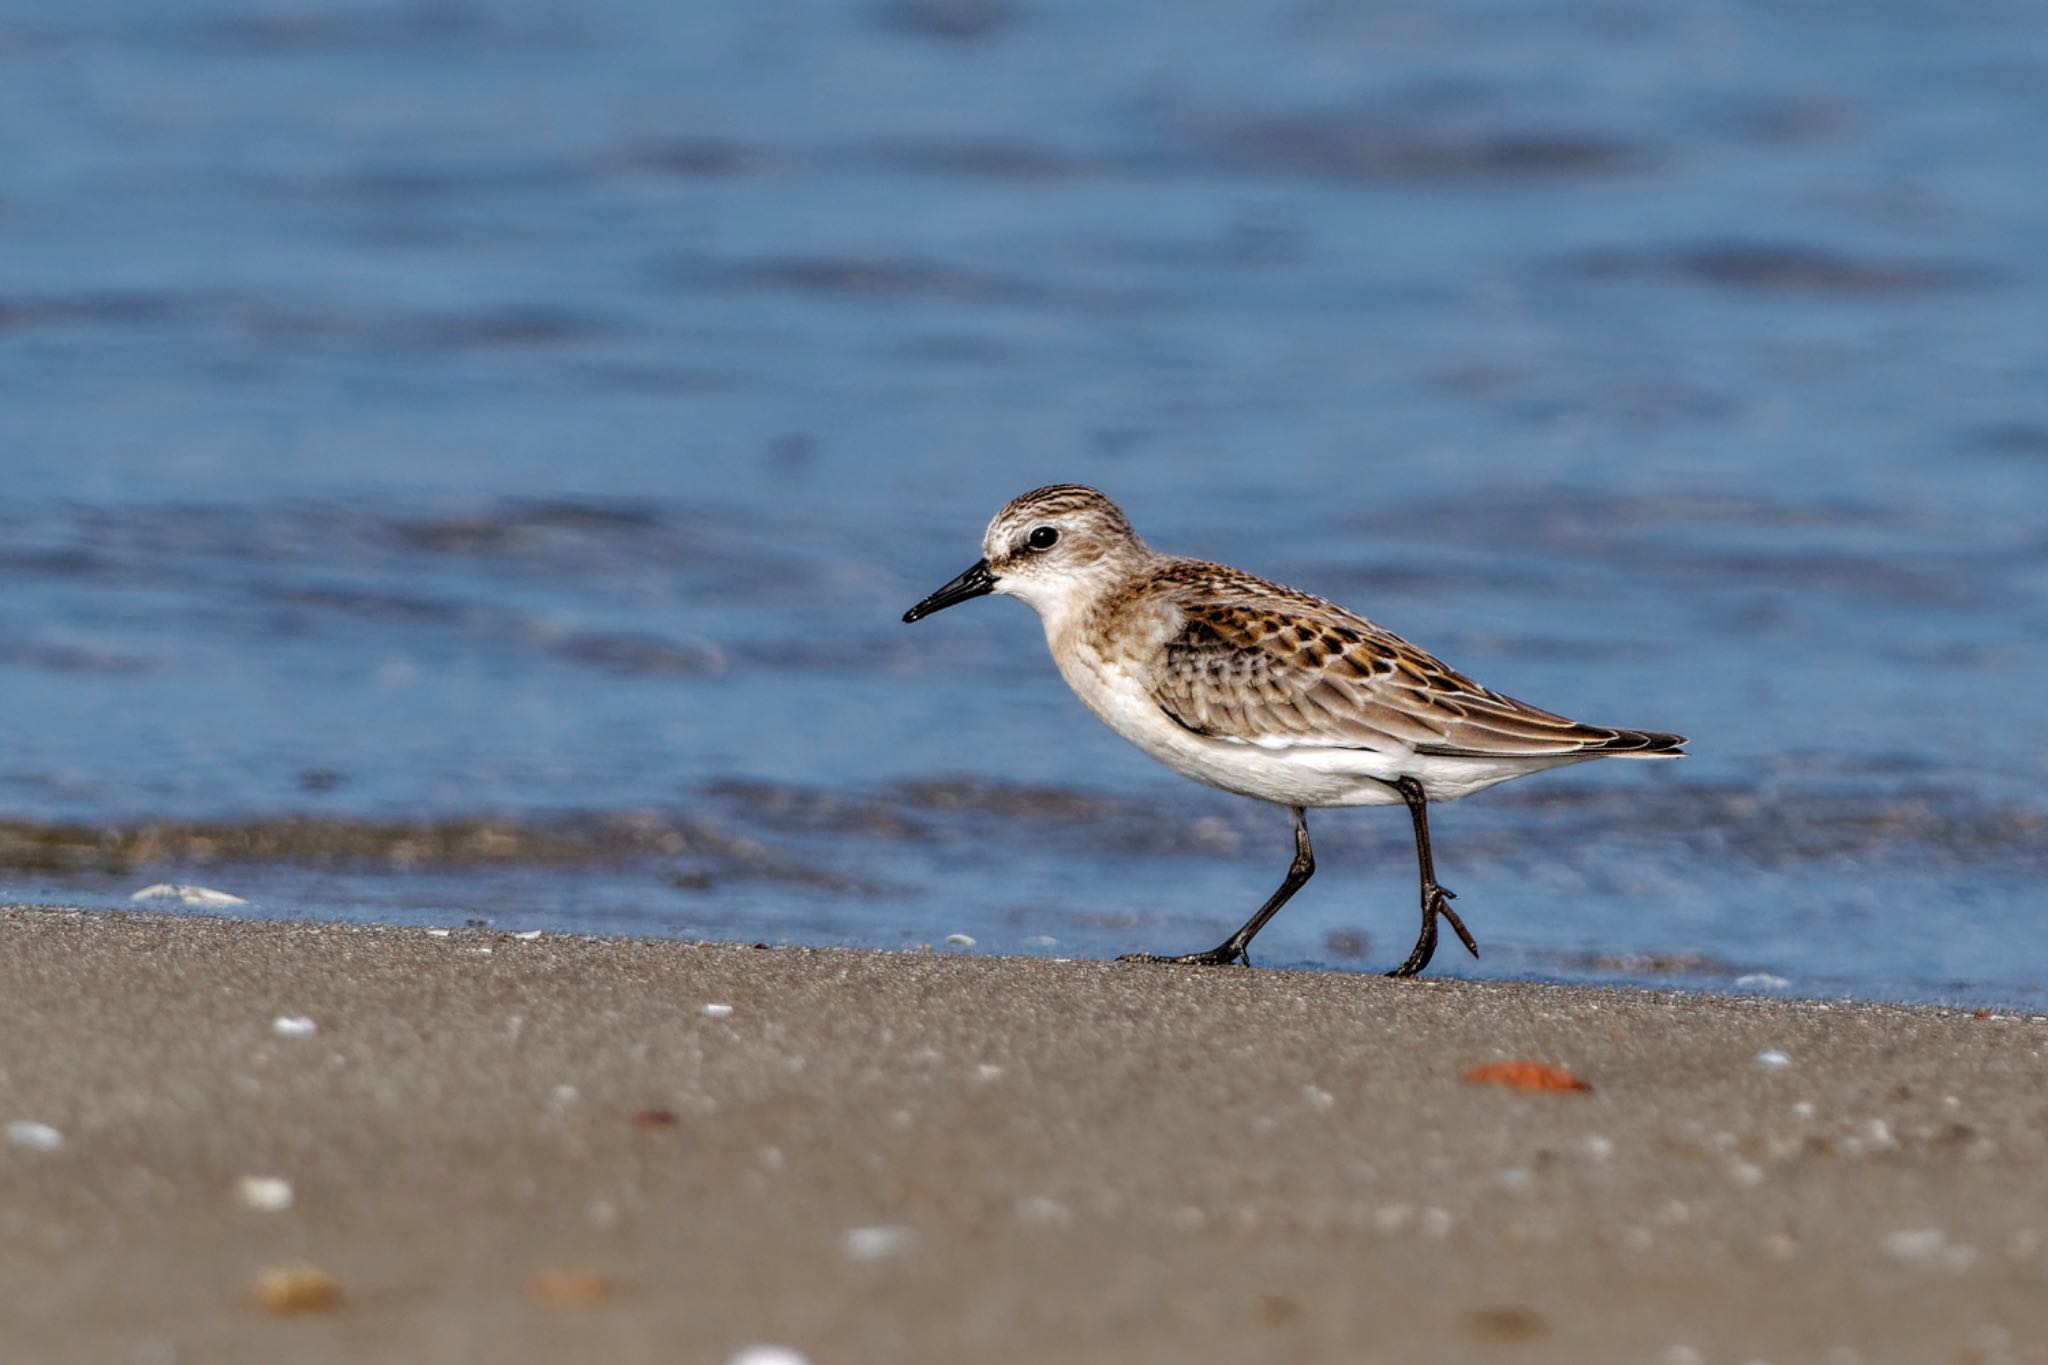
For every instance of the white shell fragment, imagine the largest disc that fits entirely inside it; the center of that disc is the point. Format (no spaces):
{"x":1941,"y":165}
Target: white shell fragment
{"x":1040,"y":1211}
{"x":959,"y":940}
{"x":768,"y":1355}
{"x":876,"y":1243}
{"x":1773,"y":1058}
{"x":1930,"y":1249}
{"x":293,"y":1026}
{"x":264,"y":1193}
{"x":718,"y":1011}
{"x":37,"y":1137}
{"x":189,"y":895}
{"x":527,"y":937}
{"x":1761,"y":981}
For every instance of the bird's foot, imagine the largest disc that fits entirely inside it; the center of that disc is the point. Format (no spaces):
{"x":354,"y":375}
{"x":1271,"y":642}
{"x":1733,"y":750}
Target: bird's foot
{"x":1435,"y":901}
{"x":1443,"y":907}
{"x":1223,"y":955}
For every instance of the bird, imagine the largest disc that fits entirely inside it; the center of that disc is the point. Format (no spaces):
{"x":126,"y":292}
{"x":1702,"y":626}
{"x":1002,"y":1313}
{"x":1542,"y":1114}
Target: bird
{"x":1265,"y":691}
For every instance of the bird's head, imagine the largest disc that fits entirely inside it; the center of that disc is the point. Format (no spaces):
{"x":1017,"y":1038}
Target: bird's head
{"x":1049,"y":547}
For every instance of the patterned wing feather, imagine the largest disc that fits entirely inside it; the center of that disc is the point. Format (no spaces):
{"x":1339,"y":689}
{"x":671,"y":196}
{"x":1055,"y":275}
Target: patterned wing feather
{"x":1256,"y":662}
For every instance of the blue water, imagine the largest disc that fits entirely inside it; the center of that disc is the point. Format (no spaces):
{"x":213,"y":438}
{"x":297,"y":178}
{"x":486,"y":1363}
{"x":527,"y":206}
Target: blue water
{"x":539,"y":415}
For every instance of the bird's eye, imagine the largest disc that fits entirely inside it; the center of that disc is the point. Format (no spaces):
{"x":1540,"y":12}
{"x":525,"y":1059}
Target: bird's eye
{"x":1044,"y":537}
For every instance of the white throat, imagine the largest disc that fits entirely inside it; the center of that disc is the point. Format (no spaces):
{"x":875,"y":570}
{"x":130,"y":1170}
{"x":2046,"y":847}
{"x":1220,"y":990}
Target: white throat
{"x":1059,"y":599}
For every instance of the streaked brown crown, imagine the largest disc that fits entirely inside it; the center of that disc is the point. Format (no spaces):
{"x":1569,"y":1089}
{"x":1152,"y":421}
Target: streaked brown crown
{"x":1090,"y":526}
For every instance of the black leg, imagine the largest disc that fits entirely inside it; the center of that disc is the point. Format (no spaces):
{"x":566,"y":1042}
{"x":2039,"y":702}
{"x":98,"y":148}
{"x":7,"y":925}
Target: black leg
{"x":1233,"y":949}
{"x":1435,"y":900}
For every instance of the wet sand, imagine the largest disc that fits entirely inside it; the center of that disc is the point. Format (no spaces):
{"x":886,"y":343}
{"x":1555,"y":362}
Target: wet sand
{"x":541,"y":1150}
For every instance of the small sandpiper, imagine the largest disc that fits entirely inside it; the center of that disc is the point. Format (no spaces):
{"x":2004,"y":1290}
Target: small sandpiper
{"x":1265,"y":691}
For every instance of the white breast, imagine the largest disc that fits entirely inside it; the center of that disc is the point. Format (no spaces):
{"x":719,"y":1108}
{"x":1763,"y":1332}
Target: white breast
{"x":1295,"y":776}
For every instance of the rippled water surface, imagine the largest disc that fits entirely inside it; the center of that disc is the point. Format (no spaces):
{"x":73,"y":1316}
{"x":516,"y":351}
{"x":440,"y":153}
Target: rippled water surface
{"x":469,"y":460}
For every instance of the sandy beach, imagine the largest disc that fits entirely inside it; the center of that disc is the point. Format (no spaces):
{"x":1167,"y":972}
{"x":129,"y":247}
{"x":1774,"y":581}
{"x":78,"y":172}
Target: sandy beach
{"x":557,"y":1148}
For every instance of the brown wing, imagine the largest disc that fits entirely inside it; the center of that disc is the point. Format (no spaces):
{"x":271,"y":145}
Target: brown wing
{"x":1267,"y":665}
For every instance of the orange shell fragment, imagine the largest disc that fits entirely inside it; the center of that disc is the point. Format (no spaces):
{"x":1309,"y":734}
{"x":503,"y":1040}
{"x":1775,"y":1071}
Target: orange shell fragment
{"x":568,"y":1288}
{"x":1522,"y":1075}
{"x":296,"y":1287}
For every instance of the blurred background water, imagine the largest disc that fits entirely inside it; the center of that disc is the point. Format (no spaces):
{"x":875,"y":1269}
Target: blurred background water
{"x":468,"y":460}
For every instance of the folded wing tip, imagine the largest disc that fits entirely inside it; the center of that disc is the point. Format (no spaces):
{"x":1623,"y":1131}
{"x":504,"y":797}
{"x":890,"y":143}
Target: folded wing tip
{"x":1644,"y":744}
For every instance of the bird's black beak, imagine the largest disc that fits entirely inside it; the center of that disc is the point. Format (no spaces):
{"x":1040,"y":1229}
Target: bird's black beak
{"x":976,"y":582}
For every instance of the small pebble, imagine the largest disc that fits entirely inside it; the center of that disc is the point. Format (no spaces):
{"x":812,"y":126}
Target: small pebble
{"x":718,"y":1011}
{"x":768,"y":1355}
{"x":876,"y":1243}
{"x":264,"y":1193}
{"x":528,"y":936}
{"x":36,"y":1137}
{"x":297,"y":1287}
{"x":1322,"y":1101}
{"x":959,"y":941}
{"x":438,"y":933}
{"x":567,"y":1288}
{"x":293,"y":1026}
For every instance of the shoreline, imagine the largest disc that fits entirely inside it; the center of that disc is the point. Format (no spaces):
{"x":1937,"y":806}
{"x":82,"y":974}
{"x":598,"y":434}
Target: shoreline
{"x":1659,"y":974}
{"x":529,"y":1149}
